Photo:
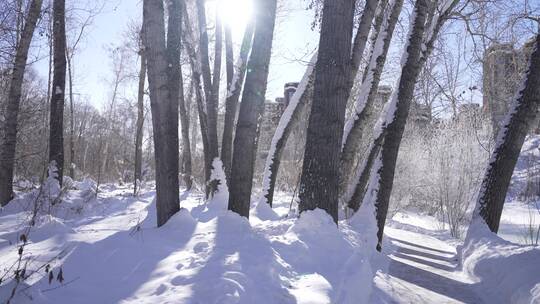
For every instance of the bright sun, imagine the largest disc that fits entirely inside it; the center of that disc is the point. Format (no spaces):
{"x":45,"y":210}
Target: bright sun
{"x":236,"y":14}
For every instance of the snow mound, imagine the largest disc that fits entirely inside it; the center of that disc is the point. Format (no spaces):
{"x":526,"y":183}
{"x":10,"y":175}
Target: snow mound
{"x":504,"y":271}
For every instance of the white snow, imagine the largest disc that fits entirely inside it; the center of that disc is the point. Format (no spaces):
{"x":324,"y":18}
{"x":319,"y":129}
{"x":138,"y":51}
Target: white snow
{"x":110,"y":251}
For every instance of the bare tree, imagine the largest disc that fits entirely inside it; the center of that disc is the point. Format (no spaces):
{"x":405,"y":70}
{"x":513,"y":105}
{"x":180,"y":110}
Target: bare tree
{"x":164,"y":108}
{"x":365,"y":104}
{"x":234,"y":88}
{"x":56,"y":132}
{"x":509,"y":142}
{"x":245,"y":140}
{"x":320,"y":172}
{"x":137,"y":174}
{"x":9,"y":140}
{"x":396,"y":117}
{"x":211,"y":88}
{"x":358,"y":185}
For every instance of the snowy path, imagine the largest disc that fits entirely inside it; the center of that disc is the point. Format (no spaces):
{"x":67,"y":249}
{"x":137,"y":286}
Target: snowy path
{"x":423,"y":269}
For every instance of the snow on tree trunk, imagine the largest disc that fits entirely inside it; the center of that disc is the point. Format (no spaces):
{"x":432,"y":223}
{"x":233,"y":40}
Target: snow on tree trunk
{"x":250,"y":109}
{"x":508,"y":145}
{"x":354,"y":194}
{"x":365,"y":104}
{"x":291,"y":116}
{"x":164,"y":109}
{"x":56,"y":132}
{"x":395,"y":117}
{"x":319,"y":181}
{"x":10,"y":126}
{"x":360,"y":39}
{"x":233,"y":95}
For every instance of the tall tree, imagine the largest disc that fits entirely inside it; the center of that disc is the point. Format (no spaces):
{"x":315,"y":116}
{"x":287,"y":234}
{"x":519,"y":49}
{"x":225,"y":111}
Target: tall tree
{"x":365,"y":104}
{"x":509,"y":142}
{"x":234,"y":88}
{"x":56,"y":132}
{"x":396,"y":117}
{"x":320,"y":173}
{"x":211,"y":88}
{"x":164,"y":108}
{"x":438,"y":14}
{"x":245,"y":140}
{"x":9,"y":140}
{"x":140,"y":116}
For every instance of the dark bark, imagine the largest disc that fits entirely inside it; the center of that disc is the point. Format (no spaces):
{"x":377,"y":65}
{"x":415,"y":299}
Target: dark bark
{"x":509,"y":142}
{"x":7,"y":150}
{"x":377,"y":23}
{"x":164,"y":108}
{"x":360,"y":39}
{"x":176,"y":90}
{"x":319,"y":182}
{"x":140,"y":119}
{"x":394,"y":128}
{"x":211,"y":99}
{"x":56,"y":132}
{"x":233,"y":95}
{"x":362,"y":178}
{"x":250,"y":109}
{"x":184,"y":119}
{"x":189,"y":44}
{"x":71,"y":119}
{"x":363,"y":118}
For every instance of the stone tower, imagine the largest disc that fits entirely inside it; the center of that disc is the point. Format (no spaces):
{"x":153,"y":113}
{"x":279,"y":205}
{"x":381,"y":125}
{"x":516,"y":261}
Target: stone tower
{"x":503,"y":70}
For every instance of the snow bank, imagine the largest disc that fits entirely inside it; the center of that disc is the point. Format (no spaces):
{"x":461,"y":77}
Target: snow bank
{"x":505,"y":272}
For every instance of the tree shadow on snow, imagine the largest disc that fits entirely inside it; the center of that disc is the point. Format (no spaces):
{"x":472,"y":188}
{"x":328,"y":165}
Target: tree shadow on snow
{"x":241,"y":267}
{"x":114,"y":268}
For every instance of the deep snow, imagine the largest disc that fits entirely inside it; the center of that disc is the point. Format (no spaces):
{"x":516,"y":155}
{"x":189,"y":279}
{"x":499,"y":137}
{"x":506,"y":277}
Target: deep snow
{"x":110,"y":251}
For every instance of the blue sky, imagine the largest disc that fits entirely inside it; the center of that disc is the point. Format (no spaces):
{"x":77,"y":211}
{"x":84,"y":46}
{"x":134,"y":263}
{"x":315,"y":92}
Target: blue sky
{"x":92,"y":65}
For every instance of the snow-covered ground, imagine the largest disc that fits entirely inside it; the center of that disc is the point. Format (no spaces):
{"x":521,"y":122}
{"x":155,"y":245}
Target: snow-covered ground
{"x":109,"y":250}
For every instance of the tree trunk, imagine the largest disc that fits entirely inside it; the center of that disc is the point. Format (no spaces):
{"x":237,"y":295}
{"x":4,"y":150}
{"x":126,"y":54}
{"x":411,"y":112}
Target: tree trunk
{"x":320,"y":173}
{"x":7,"y":150}
{"x":365,"y":105}
{"x":186,"y":145}
{"x":289,"y":119}
{"x":164,"y":108}
{"x":252,"y":101}
{"x":210,"y":97}
{"x":56,"y":137}
{"x":509,"y":142}
{"x":359,"y":184}
{"x":233,"y":95}
{"x":176,"y":94}
{"x":71,"y":118}
{"x":396,"y":117}
{"x":194,"y":61}
{"x":137,"y":176}
{"x":360,"y":39}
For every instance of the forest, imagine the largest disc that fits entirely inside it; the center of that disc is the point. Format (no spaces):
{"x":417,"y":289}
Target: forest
{"x":269,"y":151}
